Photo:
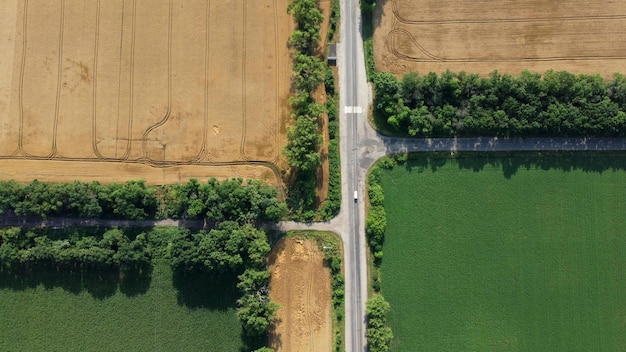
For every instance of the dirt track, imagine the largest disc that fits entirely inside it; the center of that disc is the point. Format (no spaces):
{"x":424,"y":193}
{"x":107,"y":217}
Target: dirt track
{"x":300,"y":284}
{"x":510,"y":36}
{"x":182,"y":84}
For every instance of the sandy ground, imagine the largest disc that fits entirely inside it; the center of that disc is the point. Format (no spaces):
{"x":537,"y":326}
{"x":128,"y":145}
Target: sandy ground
{"x":508,"y":35}
{"x":300,"y":284}
{"x":175,"y":82}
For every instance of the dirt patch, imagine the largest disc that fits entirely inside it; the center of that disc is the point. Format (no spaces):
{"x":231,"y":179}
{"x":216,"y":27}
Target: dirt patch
{"x":300,"y":284}
{"x":509,"y":36}
{"x":168,"y":82}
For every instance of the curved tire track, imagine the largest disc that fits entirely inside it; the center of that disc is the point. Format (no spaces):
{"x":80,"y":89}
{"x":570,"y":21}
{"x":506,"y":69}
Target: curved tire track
{"x":168,"y":112}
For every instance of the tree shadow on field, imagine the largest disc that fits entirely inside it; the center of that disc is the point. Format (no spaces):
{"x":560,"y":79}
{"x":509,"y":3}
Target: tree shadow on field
{"x":136,"y":280}
{"x":199,"y":289}
{"x":100,"y":283}
{"x":511,"y":162}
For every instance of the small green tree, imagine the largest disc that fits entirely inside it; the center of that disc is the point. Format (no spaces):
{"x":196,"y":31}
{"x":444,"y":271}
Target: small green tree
{"x":378,"y":334}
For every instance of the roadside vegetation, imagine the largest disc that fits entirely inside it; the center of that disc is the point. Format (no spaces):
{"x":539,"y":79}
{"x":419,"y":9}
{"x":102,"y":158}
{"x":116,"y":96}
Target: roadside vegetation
{"x":531,"y":104}
{"x":331,"y":205}
{"x":524,"y":249}
{"x":378,"y":332}
{"x":304,"y":137}
{"x":214,"y":201}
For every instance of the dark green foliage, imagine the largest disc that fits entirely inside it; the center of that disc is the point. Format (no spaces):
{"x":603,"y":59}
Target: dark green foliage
{"x":461,"y":104}
{"x":303,"y":143}
{"x":308,"y":20}
{"x":131,"y":200}
{"x":301,"y":197}
{"x":39,"y":198}
{"x":376,"y":222}
{"x":216,"y":201}
{"x":334,"y":19}
{"x":22,"y":250}
{"x":308,"y":72}
{"x":256,"y":311}
{"x":304,"y":137}
{"x":331,"y":205}
{"x":227,"y":248}
{"x":378,"y":333}
{"x":367,"y":6}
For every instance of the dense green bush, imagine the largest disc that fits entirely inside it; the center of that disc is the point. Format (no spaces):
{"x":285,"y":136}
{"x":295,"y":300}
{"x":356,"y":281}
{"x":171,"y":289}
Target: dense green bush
{"x":114,"y":251}
{"x":376,"y":221}
{"x":334,"y":19}
{"x":531,"y":104}
{"x":214,"y":200}
{"x":379,"y":334}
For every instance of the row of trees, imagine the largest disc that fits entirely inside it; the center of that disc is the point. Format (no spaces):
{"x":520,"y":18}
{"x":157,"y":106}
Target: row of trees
{"x":304,"y":138}
{"x":376,"y":222}
{"x":302,"y":150}
{"x":333,"y":201}
{"x":531,"y":104}
{"x":134,"y":200}
{"x":114,"y":251}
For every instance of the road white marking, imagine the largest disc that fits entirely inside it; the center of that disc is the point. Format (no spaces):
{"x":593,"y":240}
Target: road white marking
{"x":352,"y":109}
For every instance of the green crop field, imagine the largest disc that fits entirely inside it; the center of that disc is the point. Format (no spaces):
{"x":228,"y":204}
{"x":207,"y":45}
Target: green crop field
{"x":507,"y":255}
{"x":189,"y":316}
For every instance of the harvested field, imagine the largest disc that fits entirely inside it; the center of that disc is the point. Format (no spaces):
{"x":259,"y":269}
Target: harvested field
{"x":508,"y":36}
{"x":300,"y":284}
{"x":171,"y":87}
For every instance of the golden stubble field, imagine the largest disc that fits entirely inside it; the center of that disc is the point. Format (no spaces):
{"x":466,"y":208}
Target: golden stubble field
{"x":480,"y":36}
{"x":163,"y":90}
{"x":300,"y":284}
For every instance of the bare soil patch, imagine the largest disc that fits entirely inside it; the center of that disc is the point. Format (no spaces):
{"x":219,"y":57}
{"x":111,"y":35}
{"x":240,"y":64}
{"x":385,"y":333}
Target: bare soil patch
{"x":163,"y":83}
{"x":300,"y":284}
{"x":509,"y":36}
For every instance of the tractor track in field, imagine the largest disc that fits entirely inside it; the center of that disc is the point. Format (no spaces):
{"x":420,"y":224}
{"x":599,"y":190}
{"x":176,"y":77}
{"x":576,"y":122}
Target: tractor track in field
{"x":242,"y":145}
{"x":131,"y":84}
{"x":404,"y":20}
{"x":202,"y":154}
{"x":168,"y":112}
{"x":278,"y":112}
{"x":94,"y":87}
{"x":401,"y":31}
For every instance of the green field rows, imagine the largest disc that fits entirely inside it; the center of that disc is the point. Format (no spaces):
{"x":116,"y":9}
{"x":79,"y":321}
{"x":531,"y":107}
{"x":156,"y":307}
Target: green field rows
{"x":534,"y":261}
{"x":191,"y":317}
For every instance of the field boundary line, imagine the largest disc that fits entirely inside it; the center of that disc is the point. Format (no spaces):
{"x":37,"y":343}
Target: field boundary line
{"x":168,"y":112}
{"x":202,"y":153}
{"x":94,"y":110}
{"x":131,"y":85}
{"x":55,"y":124}
{"x":20,"y":139}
